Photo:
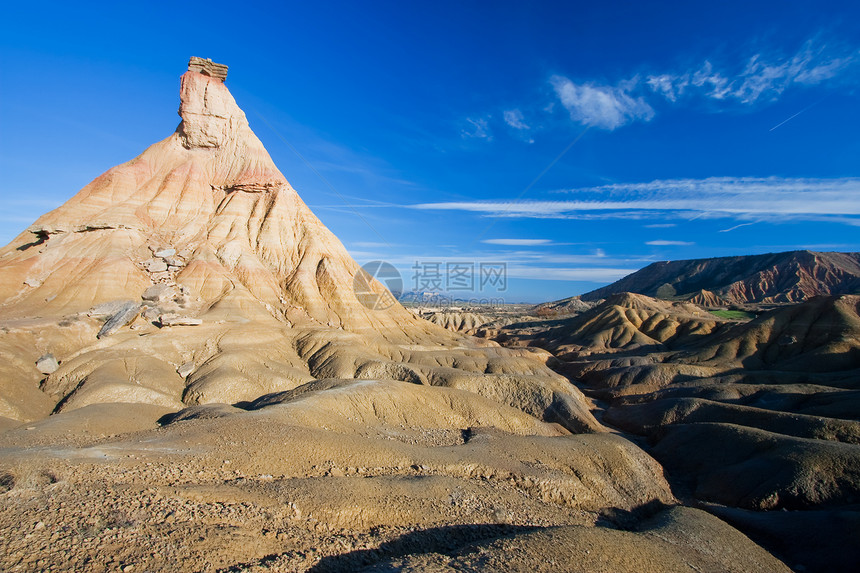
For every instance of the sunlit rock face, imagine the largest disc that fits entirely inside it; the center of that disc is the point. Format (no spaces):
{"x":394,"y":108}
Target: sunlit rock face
{"x":194,"y":273}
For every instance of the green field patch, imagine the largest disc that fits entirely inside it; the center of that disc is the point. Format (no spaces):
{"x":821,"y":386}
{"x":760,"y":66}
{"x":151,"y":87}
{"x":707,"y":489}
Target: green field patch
{"x":733,"y":314}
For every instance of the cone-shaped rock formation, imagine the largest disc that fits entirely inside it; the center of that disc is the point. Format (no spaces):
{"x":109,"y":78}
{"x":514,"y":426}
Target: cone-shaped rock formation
{"x":194,"y":273}
{"x":209,"y":192}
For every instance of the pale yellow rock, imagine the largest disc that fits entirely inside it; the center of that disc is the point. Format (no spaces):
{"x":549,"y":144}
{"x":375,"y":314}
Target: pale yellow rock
{"x":173,"y":320}
{"x":269,"y":288}
{"x":47,"y":364}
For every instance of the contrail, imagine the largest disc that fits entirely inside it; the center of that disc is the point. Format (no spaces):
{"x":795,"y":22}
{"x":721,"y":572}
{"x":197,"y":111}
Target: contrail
{"x":738,"y":226}
{"x":535,"y":180}
{"x":783,"y":122}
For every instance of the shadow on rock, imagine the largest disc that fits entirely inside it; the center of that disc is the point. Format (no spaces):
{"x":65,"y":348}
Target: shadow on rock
{"x":436,"y":540}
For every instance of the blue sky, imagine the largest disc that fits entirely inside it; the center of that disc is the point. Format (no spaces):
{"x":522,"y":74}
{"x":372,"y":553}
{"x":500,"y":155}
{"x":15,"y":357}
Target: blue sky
{"x":575,"y":142}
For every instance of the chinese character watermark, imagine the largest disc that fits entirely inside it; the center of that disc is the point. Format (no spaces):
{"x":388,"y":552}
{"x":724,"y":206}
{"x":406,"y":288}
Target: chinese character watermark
{"x":378,"y":285}
{"x":459,"y":276}
{"x":427,"y":276}
{"x":493,"y":275}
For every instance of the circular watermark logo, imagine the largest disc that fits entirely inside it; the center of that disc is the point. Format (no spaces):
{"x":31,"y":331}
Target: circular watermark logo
{"x":365,"y":285}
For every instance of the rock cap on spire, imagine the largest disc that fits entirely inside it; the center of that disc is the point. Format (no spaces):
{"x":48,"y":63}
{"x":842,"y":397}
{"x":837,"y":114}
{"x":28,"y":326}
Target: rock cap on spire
{"x":207,"y":67}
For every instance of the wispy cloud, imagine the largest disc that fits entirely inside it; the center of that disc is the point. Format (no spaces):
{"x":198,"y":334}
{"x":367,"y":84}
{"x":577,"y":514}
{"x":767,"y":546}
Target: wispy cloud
{"x":518,"y":242}
{"x":663,"y":243}
{"x":770,"y":198}
{"x":371,"y":245}
{"x":606,"y":107}
{"x":515,"y":119}
{"x":761,"y":77}
{"x":512,"y":256}
{"x":584,"y":274}
{"x":477,"y":129}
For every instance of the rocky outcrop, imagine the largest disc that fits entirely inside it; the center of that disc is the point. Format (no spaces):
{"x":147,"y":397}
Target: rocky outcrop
{"x":706,"y":299}
{"x":571,"y":305}
{"x":207,"y":67}
{"x":178,"y":200}
{"x":176,"y":320}
{"x":126,"y":314}
{"x":47,"y":364}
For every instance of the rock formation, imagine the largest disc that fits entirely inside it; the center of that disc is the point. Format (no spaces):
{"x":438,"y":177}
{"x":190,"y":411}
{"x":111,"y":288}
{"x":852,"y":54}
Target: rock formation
{"x":207,"y":67}
{"x":203,"y":230}
{"x":564,"y":306}
{"x":622,"y":323}
{"x":707,"y":299}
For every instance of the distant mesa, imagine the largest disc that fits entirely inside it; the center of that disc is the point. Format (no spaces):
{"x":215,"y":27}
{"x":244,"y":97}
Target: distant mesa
{"x":569,"y":305}
{"x":773,"y":278}
{"x":207,"y":67}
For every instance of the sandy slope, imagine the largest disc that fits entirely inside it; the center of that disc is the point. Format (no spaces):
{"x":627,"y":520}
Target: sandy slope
{"x":348,"y":473}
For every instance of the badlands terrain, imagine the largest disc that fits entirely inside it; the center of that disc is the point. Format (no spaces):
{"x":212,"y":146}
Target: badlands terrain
{"x":189,"y":382}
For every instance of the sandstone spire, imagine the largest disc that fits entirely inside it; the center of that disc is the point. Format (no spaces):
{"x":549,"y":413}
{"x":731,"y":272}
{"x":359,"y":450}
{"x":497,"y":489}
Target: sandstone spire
{"x":211,"y":192}
{"x":194,"y":273}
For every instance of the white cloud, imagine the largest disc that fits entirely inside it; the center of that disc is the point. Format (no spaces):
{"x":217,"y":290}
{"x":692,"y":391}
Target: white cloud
{"x":660,"y":225}
{"x":478,"y":129}
{"x":512,"y":257}
{"x":515,"y":119}
{"x":836,"y":200}
{"x":371,"y":245}
{"x":669,"y":86}
{"x":759,"y":78}
{"x":586,"y":274}
{"x":662,"y":243}
{"x":762,"y":78}
{"x":606,"y":107}
{"x":518,"y":242}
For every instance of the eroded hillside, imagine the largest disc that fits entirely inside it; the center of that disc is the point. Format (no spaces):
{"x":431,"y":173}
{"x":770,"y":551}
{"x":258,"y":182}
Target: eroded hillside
{"x":746,"y":416}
